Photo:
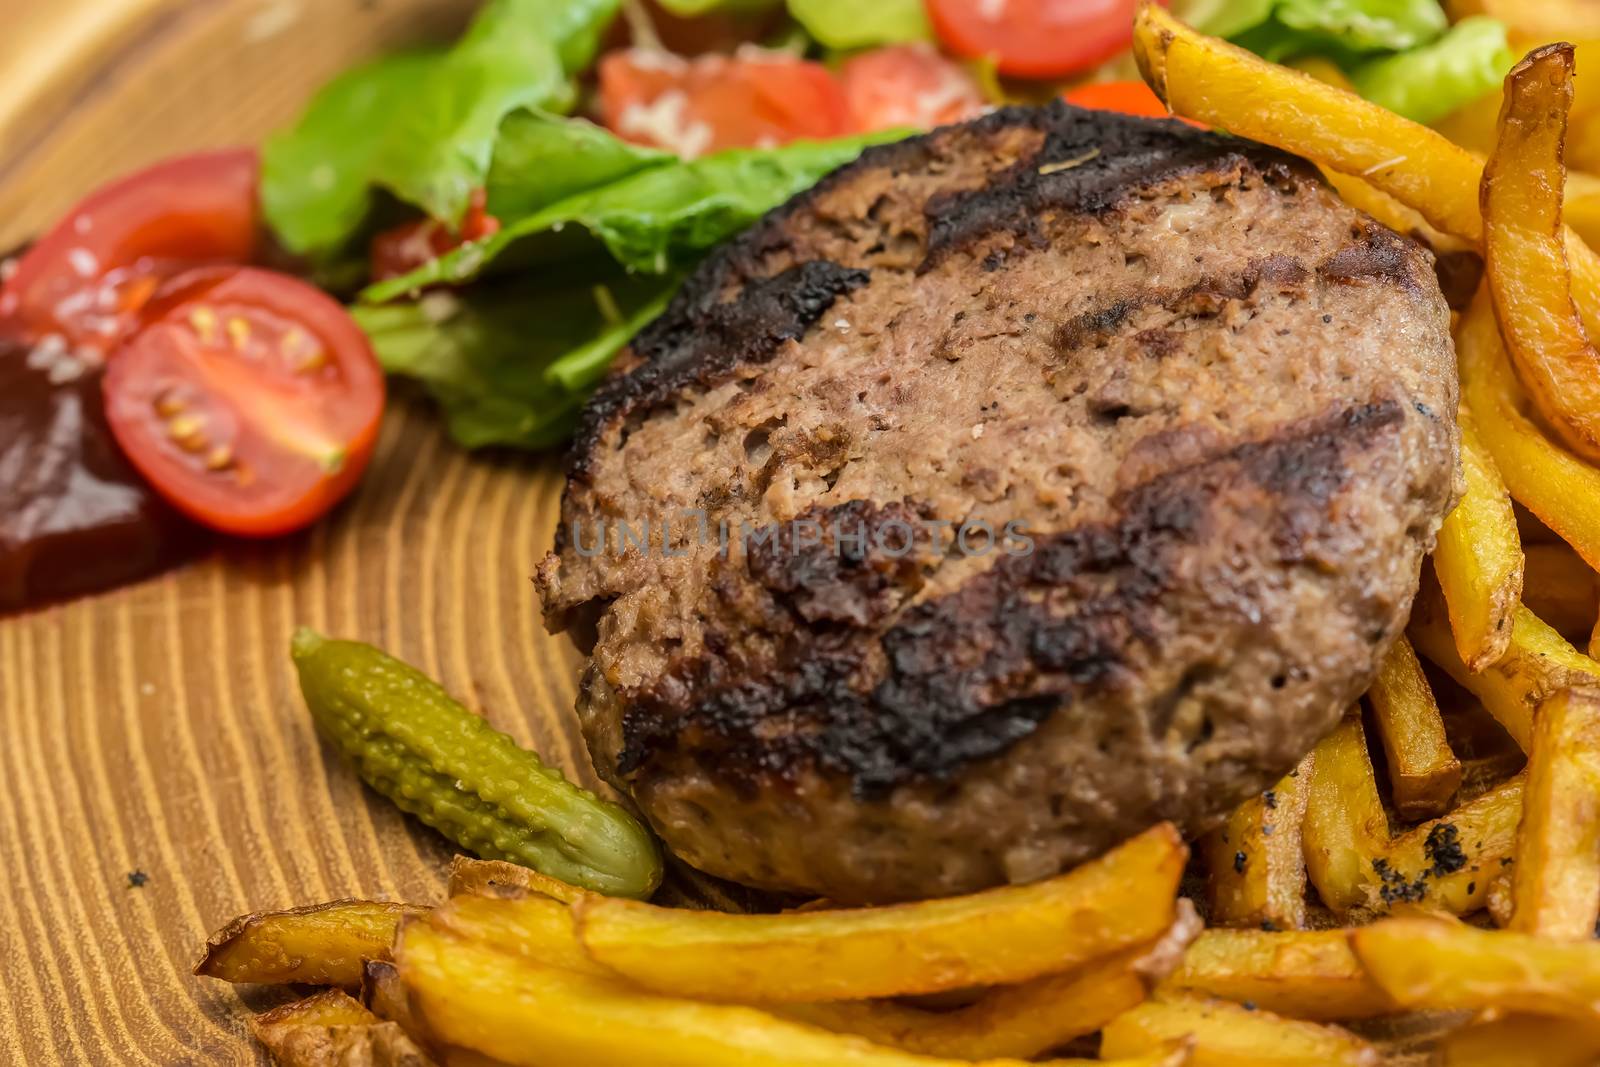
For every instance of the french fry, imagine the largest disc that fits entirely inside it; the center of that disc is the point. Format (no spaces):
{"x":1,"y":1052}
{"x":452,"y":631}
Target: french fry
{"x":1448,"y":864}
{"x":534,"y":927}
{"x":1229,"y":1035}
{"x":1000,"y":936}
{"x":1213,"y":82}
{"x":1303,"y":974}
{"x":324,"y":944}
{"x":331,"y":1029}
{"x":499,"y":878}
{"x":1450,"y":966}
{"x":1255,"y":866}
{"x":1538,"y":663}
{"x":1558,"y":487}
{"x":528,"y":1015}
{"x":1561,"y":589}
{"x":384,"y":994}
{"x":1424,"y":772}
{"x":1555,"y":882}
{"x":1479,"y":558}
{"x":1526,"y":256}
{"x":1020,"y":1021}
{"x":1345,"y":827}
{"x":1521,"y":1041}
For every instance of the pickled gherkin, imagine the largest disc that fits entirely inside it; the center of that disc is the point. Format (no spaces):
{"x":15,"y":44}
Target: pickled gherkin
{"x":435,"y":759}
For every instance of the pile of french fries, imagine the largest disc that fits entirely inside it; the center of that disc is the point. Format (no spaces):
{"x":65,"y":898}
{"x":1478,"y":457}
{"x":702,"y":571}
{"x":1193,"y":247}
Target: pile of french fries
{"x":1444,"y":912}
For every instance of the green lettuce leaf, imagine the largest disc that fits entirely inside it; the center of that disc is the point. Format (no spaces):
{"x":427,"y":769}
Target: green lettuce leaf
{"x":424,"y":126}
{"x":844,"y":24}
{"x":1428,"y":83}
{"x":510,"y":364}
{"x":1224,"y":18}
{"x":658,"y":218}
{"x":1366,"y":25}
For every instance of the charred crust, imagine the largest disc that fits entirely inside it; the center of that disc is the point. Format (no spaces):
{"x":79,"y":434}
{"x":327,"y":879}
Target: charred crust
{"x":1090,"y":163}
{"x":701,"y":338}
{"x":1377,"y":254}
{"x":844,"y":564}
{"x":932,"y":688}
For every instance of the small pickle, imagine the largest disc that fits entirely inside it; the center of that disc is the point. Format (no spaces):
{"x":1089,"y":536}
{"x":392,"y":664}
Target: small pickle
{"x":435,"y":759}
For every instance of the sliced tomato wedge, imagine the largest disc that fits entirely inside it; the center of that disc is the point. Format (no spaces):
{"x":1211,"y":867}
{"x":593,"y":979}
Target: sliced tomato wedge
{"x":401,"y":250}
{"x":908,"y":85}
{"x":1129,"y":98}
{"x":249,"y":400}
{"x":754,"y":98}
{"x":1035,"y":38}
{"x":86,"y":280}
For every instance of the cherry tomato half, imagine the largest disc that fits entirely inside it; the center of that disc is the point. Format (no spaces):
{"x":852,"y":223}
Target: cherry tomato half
{"x":250,"y":400}
{"x":1035,"y":38}
{"x":87,"y":279}
{"x":753,"y":98}
{"x":908,"y":85}
{"x":400,"y":251}
{"x":1130,"y":98}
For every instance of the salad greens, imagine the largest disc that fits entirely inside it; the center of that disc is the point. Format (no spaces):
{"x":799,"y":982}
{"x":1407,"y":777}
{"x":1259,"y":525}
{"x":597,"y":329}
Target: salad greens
{"x":851,"y":24}
{"x":511,"y":362}
{"x":424,"y":126}
{"x":661,"y":215}
{"x":1400,"y":53}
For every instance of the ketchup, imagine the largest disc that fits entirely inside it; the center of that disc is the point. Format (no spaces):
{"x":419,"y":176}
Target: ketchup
{"x":74,"y":516}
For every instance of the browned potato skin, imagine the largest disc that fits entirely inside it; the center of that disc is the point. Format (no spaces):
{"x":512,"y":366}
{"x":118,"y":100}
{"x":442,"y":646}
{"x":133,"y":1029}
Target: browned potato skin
{"x":324,"y":944}
{"x":332,"y":1029}
{"x":487,"y":878}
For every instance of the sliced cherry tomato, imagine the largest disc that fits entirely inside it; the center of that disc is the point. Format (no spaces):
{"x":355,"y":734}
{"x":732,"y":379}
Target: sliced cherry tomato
{"x":250,"y":400}
{"x":751,"y":99}
{"x":1035,"y":38}
{"x":403,"y":249}
{"x":1130,"y":98}
{"x":87,"y":279}
{"x":908,"y":85}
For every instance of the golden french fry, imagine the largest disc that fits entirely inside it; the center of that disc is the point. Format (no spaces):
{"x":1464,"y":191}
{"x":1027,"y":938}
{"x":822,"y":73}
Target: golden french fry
{"x":1558,"y":487}
{"x":1229,"y":1035}
{"x":1479,"y":557}
{"x":1582,"y":207}
{"x":1448,"y":864}
{"x":1525,"y":251}
{"x":1125,"y":898}
{"x":331,"y":1029}
{"x":529,"y":1015}
{"x":1555,"y":882}
{"x":1022,"y":1020}
{"x":1255,"y":866}
{"x":1424,"y":772}
{"x":324,"y":944}
{"x":534,"y":927}
{"x":1521,"y":1041}
{"x":1213,"y":82}
{"x":1302,"y":974}
{"x":499,"y":878}
{"x":1538,"y":663}
{"x":1450,"y":966}
{"x":1561,"y":589}
{"x":1345,"y":827}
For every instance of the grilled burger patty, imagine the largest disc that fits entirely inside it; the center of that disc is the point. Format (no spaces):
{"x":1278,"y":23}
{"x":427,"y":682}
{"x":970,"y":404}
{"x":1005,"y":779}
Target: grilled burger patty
{"x":1215,"y":405}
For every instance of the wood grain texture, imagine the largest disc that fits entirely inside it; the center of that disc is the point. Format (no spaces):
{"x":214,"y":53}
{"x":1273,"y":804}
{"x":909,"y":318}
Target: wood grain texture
{"x":159,"y":728}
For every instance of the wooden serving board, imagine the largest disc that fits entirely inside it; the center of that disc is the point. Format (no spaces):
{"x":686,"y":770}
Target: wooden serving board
{"x":159,"y":729}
